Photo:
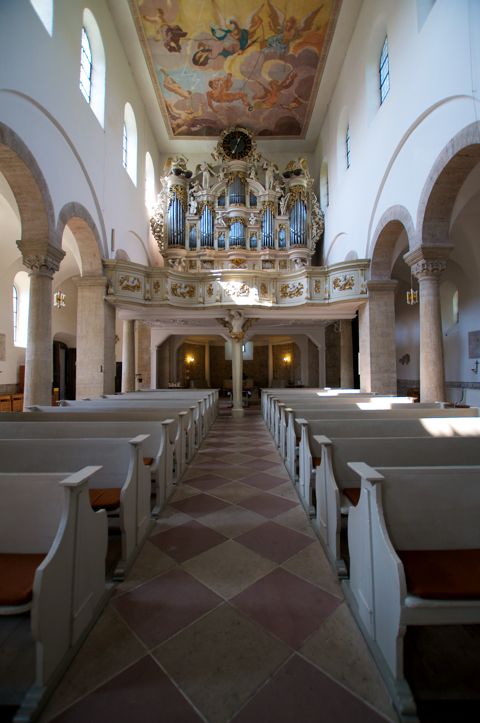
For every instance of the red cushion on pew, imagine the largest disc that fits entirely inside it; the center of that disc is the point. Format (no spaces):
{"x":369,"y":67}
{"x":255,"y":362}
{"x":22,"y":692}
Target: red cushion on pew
{"x":17,"y":573}
{"x":316,"y":461}
{"x":352,"y":494}
{"x":442,"y":574}
{"x":107,"y":498}
{"x":148,"y":461}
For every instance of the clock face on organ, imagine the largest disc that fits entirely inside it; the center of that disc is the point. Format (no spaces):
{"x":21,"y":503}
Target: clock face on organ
{"x":236,"y":144}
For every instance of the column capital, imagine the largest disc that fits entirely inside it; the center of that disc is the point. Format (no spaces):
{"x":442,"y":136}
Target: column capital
{"x":428,"y":261}
{"x":41,"y":257}
{"x":96,"y":281}
{"x":382,"y":285}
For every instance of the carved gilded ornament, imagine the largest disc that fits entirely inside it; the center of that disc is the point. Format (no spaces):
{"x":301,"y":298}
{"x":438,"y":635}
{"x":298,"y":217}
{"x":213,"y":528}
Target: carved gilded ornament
{"x":203,"y":204}
{"x":317,"y":286}
{"x":270,"y":205}
{"x":178,"y":192}
{"x":263,"y":289}
{"x":210,"y":290}
{"x":129,"y":283}
{"x":343,"y":283}
{"x":291,"y":290}
{"x":296,"y":193}
{"x":156,"y":286}
{"x":183,"y":291}
{"x":237,"y":289}
{"x":238,"y":263}
{"x":230,"y":220}
{"x":232,"y":175}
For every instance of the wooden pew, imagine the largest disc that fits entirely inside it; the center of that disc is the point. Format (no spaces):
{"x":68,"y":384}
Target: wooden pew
{"x":299,"y":431}
{"x":337,"y":487}
{"x":52,"y":562}
{"x":414,"y":543}
{"x":158,"y":448}
{"x":182,"y":432}
{"x":122,"y":485}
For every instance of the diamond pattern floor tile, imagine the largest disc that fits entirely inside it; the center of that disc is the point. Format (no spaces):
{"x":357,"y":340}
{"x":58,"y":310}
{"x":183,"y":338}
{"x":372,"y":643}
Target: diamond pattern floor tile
{"x":267,"y":505}
{"x":245,"y":656}
{"x":137,"y":694}
{"x":159,"y":608}
{"x":199,"y":505}
{"x":300,"y":692}
{"x":262,"y":480}
{"x":275,"y":542}
{"x":185,"y":541}
{"x":290,"y":608}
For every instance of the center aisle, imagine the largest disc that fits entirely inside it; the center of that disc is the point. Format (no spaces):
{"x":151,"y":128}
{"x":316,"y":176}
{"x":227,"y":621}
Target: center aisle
{"x":231,"y":612}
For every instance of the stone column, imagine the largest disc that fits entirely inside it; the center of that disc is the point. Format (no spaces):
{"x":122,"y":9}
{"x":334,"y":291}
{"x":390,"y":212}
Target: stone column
{"x":346,"y":354}
{"x":207,"y":363}
{"x":43,"y":260}
{"x":128,"y":356}
{"x":237,"y":375}
{"x":95,"y":362}
{"x":143,"y":364}
{"x":427,"y":264}
{"x":270,"y":364}
{"x":378,"y":367}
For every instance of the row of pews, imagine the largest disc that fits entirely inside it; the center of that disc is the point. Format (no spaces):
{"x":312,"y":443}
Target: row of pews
{"x":393,"y":490}
{"x":80,"y":487}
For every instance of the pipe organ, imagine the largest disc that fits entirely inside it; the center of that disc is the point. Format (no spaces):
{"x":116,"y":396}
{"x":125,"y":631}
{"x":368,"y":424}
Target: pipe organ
{"x":239,"y":203}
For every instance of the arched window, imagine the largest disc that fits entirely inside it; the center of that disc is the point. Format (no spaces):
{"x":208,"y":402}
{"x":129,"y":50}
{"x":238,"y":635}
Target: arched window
{"x":347,"y":146}
{"x":384,"y":72}
{"x":149,"y":182}
{"x":86,"y":67}
{"x":129,"y":143}
{"x":20,"y":298}
{"x":44,"y":10}
{"x":92,"y":66}
{"x":15,"y":312}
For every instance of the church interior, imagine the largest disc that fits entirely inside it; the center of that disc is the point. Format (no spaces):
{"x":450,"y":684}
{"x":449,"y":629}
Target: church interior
{"x":224,"y":212}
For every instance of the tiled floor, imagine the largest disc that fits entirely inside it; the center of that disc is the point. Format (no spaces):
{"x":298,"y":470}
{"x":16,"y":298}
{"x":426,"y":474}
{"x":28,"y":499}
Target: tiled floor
{"x":231,"y":612}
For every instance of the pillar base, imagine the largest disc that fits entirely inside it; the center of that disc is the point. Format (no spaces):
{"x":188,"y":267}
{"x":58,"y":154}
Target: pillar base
{"x":238,"y":412}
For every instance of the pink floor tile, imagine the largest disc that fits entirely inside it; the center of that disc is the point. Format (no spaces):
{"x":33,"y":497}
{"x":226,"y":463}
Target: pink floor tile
{"x":300,"y":692}
{"x":185,"y":541}
{"x":261,"y":479}
{"x":290,"y":608}
{"x":165,"y":605}
{"x":199,"y":505}
{"x":137,"y":694}
{"x":276,"y":542}
{"x":267,"y":505}
{"x":206,"y":481}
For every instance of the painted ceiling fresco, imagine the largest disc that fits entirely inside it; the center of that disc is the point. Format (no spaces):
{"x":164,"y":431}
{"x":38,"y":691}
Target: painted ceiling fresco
{"x":220,"y":63}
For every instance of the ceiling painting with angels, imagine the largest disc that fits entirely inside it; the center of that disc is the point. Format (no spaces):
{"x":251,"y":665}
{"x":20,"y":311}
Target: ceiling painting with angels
{"x":219,"y":63}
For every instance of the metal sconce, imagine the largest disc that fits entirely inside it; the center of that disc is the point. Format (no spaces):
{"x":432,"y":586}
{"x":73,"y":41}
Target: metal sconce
{"x":412,"y":294}
{"x":59,"y":300}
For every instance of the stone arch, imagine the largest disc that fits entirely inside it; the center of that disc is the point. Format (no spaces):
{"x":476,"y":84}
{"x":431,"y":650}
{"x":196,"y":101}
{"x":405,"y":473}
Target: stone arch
{"x":448,"y":173}
{"x":395,"y":220}
{"x":29,"y":187}
{"x":81,"y":224}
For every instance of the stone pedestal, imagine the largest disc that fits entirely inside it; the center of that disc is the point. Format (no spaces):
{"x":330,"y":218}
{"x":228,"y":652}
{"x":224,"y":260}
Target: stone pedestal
{"x":427,"y":264}
{"x":128,"y":356}
{"x":346,"y":354}
{"x":43,"y":260}
{"x":95,"y":366}
{"x":378,"y":367}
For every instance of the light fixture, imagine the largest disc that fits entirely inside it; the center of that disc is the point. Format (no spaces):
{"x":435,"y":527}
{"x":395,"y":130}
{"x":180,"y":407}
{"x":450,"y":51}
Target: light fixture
{"x":59,"y":300}
{"x":412,"y":294}
{"x":287,"y":359}
{"x":189,"y":359}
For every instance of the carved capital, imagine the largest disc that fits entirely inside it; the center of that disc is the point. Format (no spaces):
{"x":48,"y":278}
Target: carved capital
{"x":428,"y":261}
{"x":41,"y":257}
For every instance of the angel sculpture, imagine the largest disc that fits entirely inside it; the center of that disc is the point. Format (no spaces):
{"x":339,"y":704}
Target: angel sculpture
{"x":236,"y":324}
